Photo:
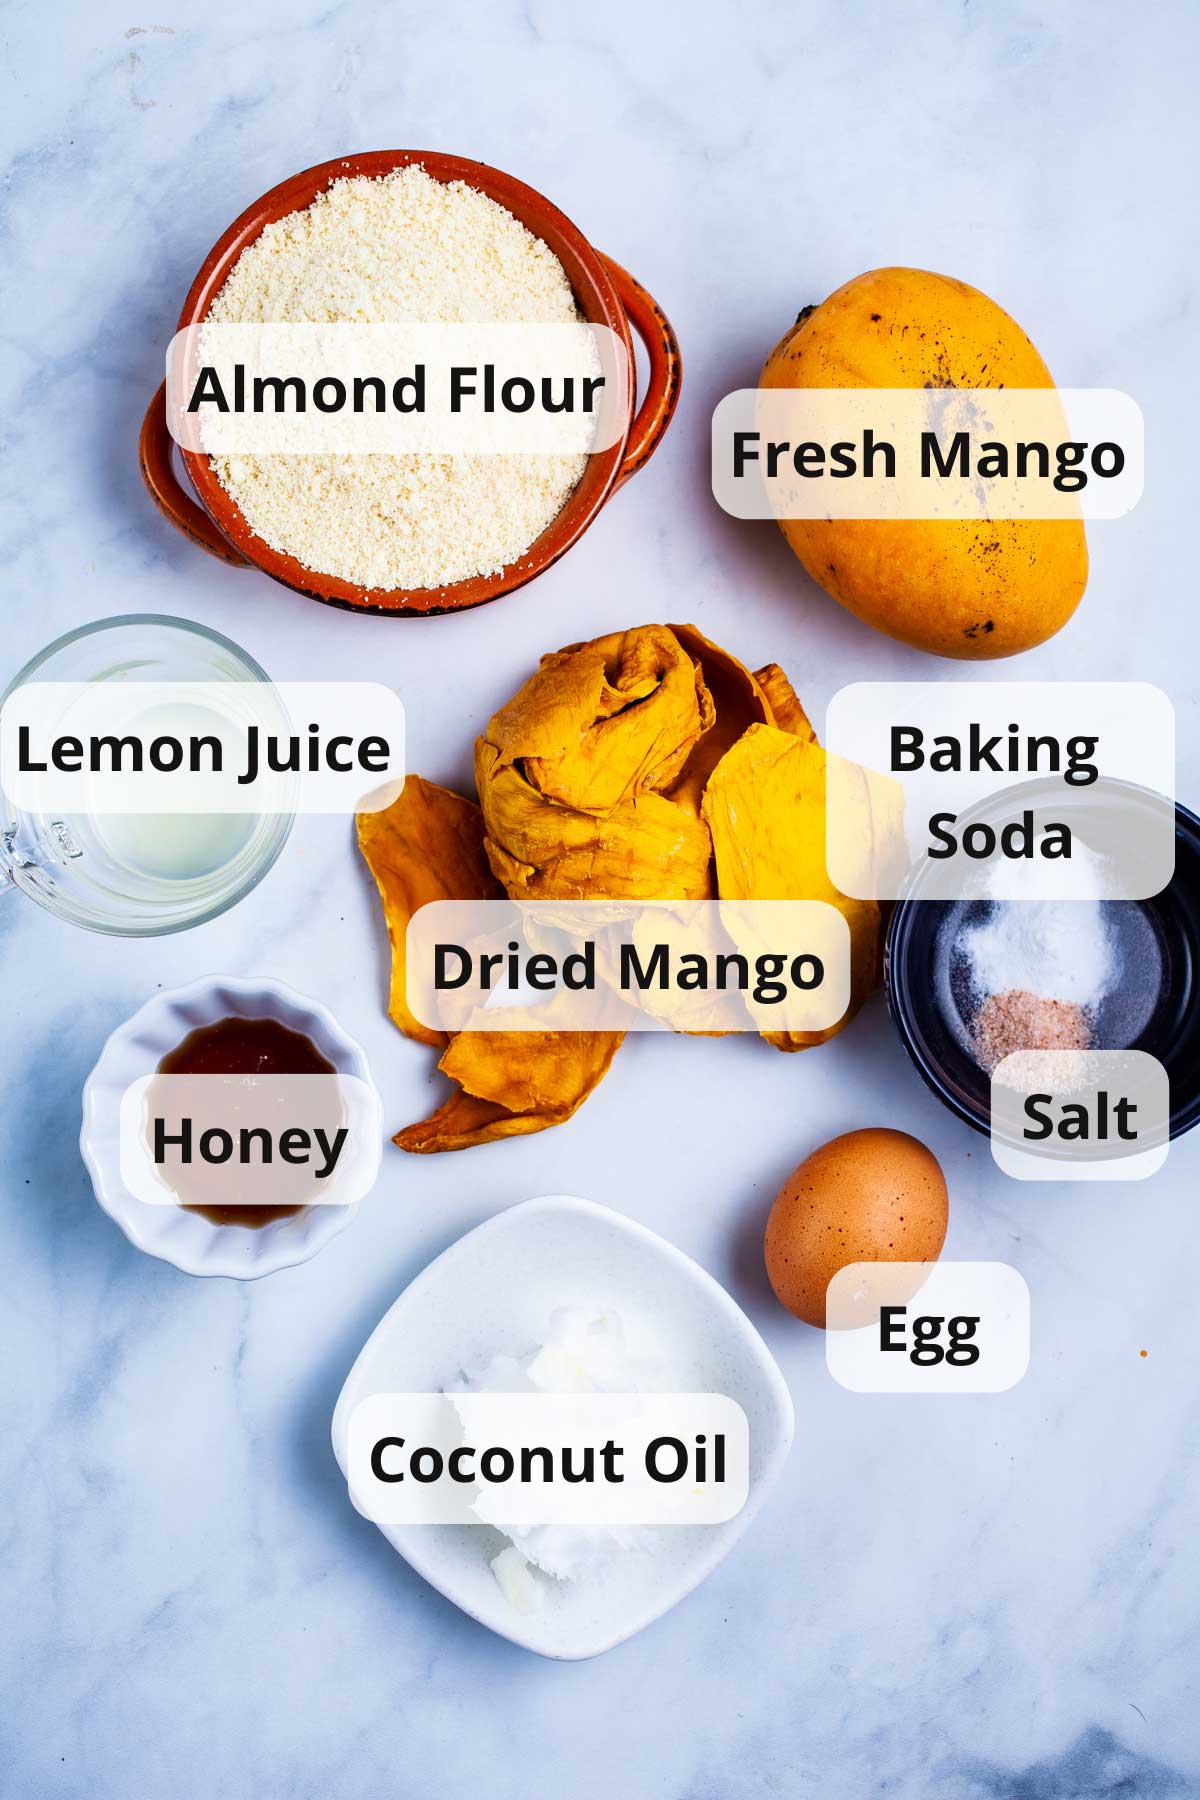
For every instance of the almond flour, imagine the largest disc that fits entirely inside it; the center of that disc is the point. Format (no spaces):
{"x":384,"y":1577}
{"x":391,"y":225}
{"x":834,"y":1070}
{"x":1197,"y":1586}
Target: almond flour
{"x":400,"y":248}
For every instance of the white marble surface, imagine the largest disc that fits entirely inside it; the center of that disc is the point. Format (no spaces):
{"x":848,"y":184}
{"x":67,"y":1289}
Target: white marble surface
{"x":996,"y":1598}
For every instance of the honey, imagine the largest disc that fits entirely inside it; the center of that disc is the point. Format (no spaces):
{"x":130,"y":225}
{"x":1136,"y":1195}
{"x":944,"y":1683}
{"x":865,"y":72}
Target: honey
{"x":236,"y":1046}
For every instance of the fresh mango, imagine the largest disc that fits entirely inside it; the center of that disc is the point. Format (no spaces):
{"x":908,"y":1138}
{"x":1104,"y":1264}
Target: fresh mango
{"x":969,"y":588}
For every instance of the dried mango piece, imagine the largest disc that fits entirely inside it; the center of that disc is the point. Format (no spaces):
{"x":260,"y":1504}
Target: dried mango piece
{"x":512,"y":1083}
{"x":428,"y":845}
{"x":601,"y":723}
{"x":570,"y":774}
{"x":786,"y":709}
{"x":649,"y":764}
{"x":765,"y":807}
{"x":739,"y":701}
{"x":646,"y":848}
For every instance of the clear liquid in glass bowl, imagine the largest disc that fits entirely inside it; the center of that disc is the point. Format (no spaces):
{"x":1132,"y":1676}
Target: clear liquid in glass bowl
{"x":141,"y":874}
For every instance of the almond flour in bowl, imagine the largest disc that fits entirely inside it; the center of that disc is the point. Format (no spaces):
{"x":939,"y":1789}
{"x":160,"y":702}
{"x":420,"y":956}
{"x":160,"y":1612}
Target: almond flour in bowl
{"x":381,"y":249}
{"x":186,"y":490}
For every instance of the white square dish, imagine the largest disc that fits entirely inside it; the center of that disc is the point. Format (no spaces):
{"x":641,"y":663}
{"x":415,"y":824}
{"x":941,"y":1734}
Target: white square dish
{"x":495,"y":1290}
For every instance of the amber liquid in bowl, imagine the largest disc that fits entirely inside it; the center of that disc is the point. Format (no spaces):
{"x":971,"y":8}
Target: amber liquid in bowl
{"x":245,"y":1047}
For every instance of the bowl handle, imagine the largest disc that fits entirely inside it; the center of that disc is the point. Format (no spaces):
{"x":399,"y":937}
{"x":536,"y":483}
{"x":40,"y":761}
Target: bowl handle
{"x":155,"y":447}
{"x":662,"y":348}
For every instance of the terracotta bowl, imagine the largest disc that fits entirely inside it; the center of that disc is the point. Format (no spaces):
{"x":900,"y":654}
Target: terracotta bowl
{"x":606,"y":295}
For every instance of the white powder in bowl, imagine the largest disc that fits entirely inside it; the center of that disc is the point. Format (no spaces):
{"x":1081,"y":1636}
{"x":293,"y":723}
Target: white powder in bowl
{"x":1057,"y":949}
{"x":398,"y":249}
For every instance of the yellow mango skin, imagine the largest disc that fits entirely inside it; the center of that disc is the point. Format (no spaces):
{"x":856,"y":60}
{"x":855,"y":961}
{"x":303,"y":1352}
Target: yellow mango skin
{"x":965,"y":588}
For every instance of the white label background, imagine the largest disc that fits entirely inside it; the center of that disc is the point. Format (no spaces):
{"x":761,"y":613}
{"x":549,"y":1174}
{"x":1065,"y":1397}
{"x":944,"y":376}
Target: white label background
{"x":1072,"y":1078}
{"x":231,"y":1103}
{"x":446,"y":1421}
{"x":224,"y":710}
{"x":1135,"y":727}
{"x":899,"y":416}
{"x":794,"y":928}
{"x":992,"y":1290}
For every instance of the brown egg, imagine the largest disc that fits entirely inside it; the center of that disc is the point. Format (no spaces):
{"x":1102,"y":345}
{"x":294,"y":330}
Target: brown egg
{"x":869,"y":1196}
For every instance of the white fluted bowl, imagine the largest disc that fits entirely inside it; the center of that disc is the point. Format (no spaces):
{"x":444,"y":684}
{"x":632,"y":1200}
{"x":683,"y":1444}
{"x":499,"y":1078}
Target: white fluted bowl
{"x":193,"y":1243}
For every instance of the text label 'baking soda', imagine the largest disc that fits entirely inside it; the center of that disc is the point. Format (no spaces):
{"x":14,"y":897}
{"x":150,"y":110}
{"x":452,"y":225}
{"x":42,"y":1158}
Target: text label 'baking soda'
{"x":616,"y":965}
{"x":548,"y":1459}
{"x":927,"y":453}
{"x":1080,"y":1115}
{"x":397,"y":389}
{"x":1001,"y":790}
{"x":927,"y":1328}
{"x":103,"y":747}
{"x":249,"y":1140}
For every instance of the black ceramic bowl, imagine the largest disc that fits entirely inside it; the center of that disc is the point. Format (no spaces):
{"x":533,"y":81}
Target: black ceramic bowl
{"x":1169,"y":923}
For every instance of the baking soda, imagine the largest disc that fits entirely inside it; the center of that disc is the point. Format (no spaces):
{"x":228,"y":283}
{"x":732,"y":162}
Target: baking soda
{"x":1057,"y":949}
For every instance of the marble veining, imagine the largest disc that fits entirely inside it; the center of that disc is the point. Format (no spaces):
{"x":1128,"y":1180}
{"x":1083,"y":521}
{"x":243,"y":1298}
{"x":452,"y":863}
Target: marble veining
{"x":989,"y":1600}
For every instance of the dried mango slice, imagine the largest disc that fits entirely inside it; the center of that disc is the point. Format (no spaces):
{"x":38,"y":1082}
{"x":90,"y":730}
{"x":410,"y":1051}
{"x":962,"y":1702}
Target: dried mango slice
{"x":512,"y":1083}
{"x":786,"y":709}
{"x":646,"y":848}
{"x":428,"y":845}
{"x":739,"y":701}
{"x":765,"y":808}
{"x":600,"y":723}
{"x":649,"y":764}
{"x":571,"y":773}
